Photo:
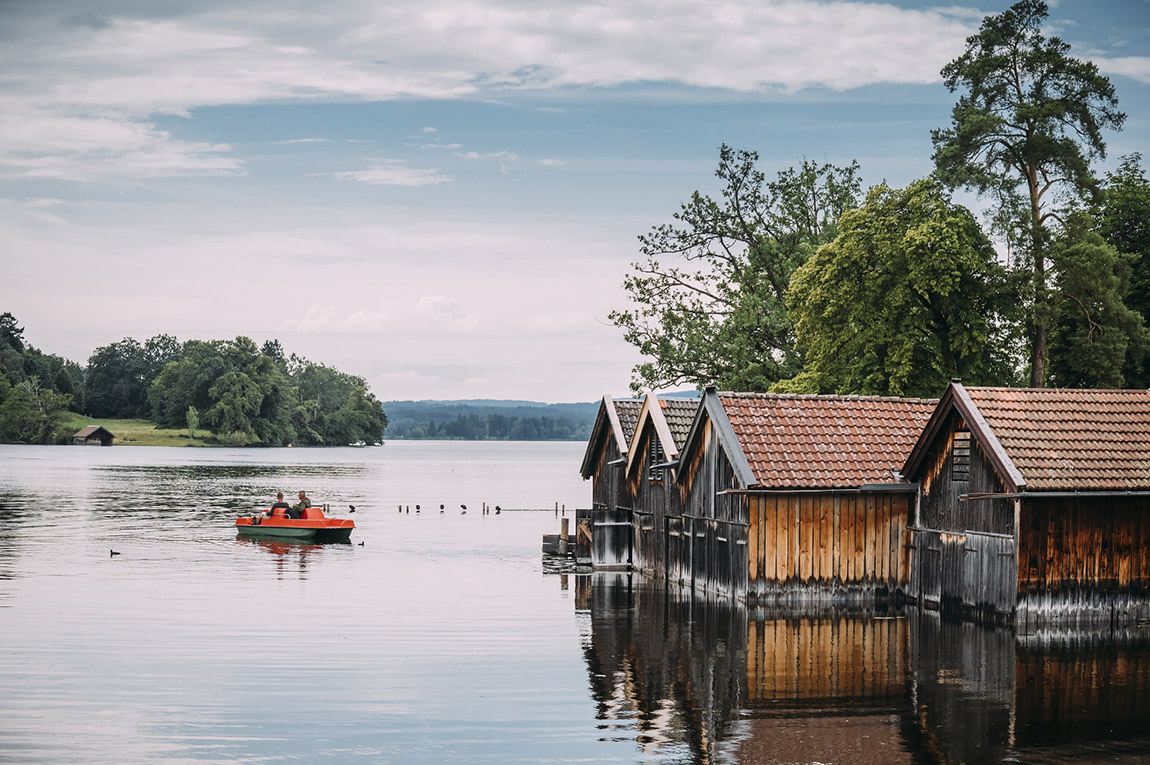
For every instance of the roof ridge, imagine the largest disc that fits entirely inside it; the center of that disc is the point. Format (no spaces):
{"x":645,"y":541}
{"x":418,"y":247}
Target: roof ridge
{"x":829,"y":397}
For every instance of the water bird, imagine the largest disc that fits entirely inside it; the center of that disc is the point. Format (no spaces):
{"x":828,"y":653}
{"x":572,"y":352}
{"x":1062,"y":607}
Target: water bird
{"x":464,"y":509}
{"x":497,"y":510}
{"x":441,"y":507}
{"x":417,"y":508}
{"x":112,"y":552}
{"x":352,"y":511}
{"x":361,"y":544}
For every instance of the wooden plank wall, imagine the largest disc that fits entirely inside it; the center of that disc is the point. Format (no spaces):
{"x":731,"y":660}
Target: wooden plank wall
{"x":653,"y":501}
{"x":972,"y":574}
{"x":846,"y":546}
{"x":1083,"y":560}
{"x":964,"y":552}
{"x":611,"y":525}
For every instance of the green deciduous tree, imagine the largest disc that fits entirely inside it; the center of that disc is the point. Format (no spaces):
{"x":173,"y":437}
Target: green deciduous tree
{"x":240,"y":392}
{"x":1024,"y":130}
{"x":1095,"y":337}
{"x":709,"y":301}
{"x":1123,"y":219}
{"x":30,"y":413}
{"x":333,"y":408}
{"x":907,"y":296}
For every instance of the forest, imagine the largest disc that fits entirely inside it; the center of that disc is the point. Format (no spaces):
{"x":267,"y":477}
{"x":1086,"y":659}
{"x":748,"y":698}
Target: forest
{"x":803,"y":283}
{"x":226,"y":392}
{"x":485,"y":420}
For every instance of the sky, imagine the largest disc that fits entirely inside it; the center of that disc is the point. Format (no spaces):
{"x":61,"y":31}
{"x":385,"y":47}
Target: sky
{"x":440,"y":196}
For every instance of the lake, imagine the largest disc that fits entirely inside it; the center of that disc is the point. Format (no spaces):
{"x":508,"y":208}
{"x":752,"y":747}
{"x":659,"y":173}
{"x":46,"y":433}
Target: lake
{"x":441,"y":638}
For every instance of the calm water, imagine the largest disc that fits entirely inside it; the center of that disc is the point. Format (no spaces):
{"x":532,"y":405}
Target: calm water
{"x":441,"y":639}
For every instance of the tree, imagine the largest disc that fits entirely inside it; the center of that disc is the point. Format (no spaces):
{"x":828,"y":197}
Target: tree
{"x":721,"y":316}
{"x":241,"y":393}
{"x":907,"y":296}
{"x":30,"y":413}
{"x":1024,"y":131}
{"x":1123,"y":220}
{"x":333,"y":407}
{"x":1095,"y":337}
{"x":193,"y":420}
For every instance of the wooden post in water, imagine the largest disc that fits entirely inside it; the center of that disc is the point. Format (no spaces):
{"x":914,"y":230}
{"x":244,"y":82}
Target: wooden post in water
{"x":556,"y":509}
{"x":563,"y":536}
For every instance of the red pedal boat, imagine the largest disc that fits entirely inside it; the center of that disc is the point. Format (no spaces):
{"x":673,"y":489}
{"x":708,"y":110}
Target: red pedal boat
{"x":314,"y":526}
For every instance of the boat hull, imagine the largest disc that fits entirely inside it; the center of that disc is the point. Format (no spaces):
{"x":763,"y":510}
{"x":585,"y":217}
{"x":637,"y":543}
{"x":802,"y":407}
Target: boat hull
{"x":320,"y":530}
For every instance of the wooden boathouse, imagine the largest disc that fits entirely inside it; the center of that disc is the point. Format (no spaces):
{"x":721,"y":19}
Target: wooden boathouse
{"x":1034,"y":505}
{"x":605,"y":464}
{"x":660,"y":432}
{"x":93,"y":435}
{"x":794,"y":498}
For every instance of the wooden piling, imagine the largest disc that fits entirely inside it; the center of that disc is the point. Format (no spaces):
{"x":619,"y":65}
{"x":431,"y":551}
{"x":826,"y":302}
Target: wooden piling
{"x":563,"y":531}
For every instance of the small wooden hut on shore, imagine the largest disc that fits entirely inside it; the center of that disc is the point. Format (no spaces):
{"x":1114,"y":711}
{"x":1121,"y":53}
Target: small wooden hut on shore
{"x":794,"y":498}
{"x":604,"y":463}
{"x":1034,"y":505}
{"x":93,"y":435}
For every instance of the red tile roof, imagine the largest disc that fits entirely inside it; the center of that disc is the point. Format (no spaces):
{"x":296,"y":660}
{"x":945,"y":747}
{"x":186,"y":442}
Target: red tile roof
{"x":1061,"y":439}
{"x":824,"y":442}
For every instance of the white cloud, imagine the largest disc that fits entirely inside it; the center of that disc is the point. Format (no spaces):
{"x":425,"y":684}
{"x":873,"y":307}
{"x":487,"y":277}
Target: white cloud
{"x":438,"y":312}
{"x":394,"y":172}
{"x":487,"y":155}
{"x":1137,"y":67}
{"x":78,"y":100}
{"x":329,"y":318}
{"x":552,"y":162}
{"x":301,"y":140}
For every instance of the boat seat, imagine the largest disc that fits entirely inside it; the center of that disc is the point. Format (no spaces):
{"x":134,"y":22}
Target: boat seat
{"x":312,"y":514}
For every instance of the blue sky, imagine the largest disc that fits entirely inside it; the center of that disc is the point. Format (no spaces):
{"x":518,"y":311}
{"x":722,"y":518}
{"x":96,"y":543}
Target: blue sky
{"x":440,"y":196}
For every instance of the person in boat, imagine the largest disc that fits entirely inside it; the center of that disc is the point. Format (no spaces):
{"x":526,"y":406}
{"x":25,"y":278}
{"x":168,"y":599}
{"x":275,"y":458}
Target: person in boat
{"x":303,"y":504}
{"x":279,"y":503}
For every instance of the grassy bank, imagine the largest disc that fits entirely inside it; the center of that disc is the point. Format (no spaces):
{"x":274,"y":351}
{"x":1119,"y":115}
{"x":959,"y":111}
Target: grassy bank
{"x":139,"y":432}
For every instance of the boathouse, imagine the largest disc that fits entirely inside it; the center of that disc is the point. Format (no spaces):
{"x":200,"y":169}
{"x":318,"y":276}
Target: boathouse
{"x":660,"y":433}
{"x":1034,"y":505}
{"x":604,"y":463}
{"x":93,"y":435}
{"x":794,"y":498}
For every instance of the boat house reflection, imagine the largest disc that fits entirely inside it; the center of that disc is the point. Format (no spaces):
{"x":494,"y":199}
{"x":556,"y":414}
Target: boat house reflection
{"x":709,"y":680}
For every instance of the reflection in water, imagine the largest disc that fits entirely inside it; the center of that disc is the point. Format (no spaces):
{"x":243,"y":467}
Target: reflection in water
{"x":287,"y":556}
{"x":695,"y":680}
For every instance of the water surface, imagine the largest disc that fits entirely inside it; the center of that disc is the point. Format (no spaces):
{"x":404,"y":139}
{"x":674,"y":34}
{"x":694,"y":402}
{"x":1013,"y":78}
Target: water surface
{"x":441,"y":639}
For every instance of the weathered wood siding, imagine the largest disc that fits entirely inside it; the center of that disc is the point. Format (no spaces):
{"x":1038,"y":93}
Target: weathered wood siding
{"x":816,"y":546}
{"x":964,"y":550}
{"x":708,"y":536}
{"x":610,"y":511}
{"x":1083,"y":560}
{"x":650,"y":508}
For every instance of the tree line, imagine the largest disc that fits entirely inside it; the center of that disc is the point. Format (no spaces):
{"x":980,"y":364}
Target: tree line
{"x":232,"y":391}
{"x":490,"y":420}
{"x":802,"y":283}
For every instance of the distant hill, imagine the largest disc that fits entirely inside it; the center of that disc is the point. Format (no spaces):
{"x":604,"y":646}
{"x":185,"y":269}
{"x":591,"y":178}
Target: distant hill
{"x":489,"y":419}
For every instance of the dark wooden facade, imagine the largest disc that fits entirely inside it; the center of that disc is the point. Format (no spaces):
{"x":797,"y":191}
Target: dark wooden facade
{"x":604,"y":463}
{"x":993,"y":541}
{"x":651,"y":479}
